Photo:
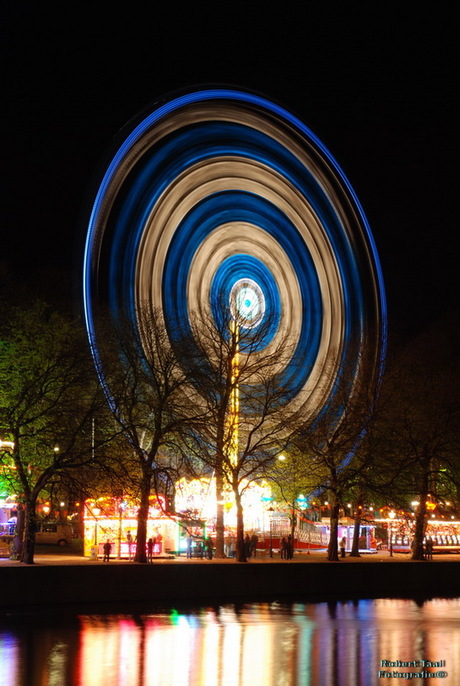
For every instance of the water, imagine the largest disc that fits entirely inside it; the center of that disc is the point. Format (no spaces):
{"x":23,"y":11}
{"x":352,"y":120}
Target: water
{"x":259,"y":644}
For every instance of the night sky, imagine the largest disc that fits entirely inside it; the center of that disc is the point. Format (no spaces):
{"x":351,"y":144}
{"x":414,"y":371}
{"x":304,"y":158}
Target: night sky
{"x":378,"y":87}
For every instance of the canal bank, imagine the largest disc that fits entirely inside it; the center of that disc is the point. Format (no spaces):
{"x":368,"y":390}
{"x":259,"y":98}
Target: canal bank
{"x":180,"y":581}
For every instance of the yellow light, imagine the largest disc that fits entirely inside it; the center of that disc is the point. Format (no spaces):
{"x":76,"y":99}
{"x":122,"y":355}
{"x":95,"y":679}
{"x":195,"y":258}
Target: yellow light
{"x":281,"y":457}
{"x":233,"y":415}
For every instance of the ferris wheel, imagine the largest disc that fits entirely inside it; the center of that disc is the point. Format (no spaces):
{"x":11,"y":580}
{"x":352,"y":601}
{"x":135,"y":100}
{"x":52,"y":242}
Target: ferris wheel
{"x":220,"y":195}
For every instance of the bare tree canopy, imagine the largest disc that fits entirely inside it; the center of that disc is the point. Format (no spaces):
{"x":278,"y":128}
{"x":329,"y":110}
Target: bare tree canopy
{"x":246,"y":422}
{"x":149,"y":393}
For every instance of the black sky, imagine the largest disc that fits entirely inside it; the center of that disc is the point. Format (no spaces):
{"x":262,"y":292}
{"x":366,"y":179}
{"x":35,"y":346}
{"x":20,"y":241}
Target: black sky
{"x":379,"y":86}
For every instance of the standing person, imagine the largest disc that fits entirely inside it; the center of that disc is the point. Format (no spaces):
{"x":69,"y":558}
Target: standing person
{"x":342,"y":546}
{"x":107,"y":551}
{"x":290,"y":547}
{"x":247,"y":545}
{"x":189,"y":545}
{"x":227,"y":541}
{"x":209,"y":547}
{"x":150,"y":550}
{"x":129,"y":539}
{"x":254,"y":542}
{"x":231,"y":546}
{"x":429,"y":548}
{"x":284,"y":548}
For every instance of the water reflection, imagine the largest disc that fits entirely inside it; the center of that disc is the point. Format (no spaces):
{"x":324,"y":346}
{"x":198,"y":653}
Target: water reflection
{"x":335,"y":643}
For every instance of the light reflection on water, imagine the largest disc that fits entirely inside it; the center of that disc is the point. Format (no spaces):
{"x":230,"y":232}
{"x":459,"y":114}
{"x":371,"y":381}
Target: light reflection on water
{"x":335,"y":643}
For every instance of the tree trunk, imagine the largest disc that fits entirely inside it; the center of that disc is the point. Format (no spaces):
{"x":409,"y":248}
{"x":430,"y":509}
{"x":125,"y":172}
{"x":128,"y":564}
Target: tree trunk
{"x":240,"y":547}
{"x":28,"y":548}
{"x":332,"y":549}
{"x":420,"y":522}
{"x":219,"y":552}
{"x":293,"y":524}
{"x":142,"y":517}
{"x":19,"y":533}
{"x":356,"y":531}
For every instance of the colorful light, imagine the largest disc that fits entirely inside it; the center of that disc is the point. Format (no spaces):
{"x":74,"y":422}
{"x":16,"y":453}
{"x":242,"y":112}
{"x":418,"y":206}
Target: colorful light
{"x":223,"y":196}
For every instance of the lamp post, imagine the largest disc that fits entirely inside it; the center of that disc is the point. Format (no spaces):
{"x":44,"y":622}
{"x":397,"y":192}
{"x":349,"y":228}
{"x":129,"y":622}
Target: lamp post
{"x":270,"y":515}
{"x":120,"y":527}
{"x":96,"y":513}
{"x":391,"y":515}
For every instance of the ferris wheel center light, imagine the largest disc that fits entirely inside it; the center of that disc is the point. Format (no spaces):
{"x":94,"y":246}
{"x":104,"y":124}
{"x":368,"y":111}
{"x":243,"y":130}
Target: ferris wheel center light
{"x":247,"y":302}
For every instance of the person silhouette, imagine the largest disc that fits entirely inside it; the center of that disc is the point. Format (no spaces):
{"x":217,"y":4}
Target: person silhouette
{"x":107,"y":551}
{"x":150,"y":550}
{"x":189,"y":546}
{"x":284,"y":549}
{"x":129,"y":539}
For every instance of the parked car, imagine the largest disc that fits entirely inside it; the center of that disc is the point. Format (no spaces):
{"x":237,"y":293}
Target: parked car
{"x":53,"y":533}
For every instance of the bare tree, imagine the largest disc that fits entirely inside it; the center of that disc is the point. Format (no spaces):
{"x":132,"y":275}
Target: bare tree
{"x":425,"y":421}
{"x":149,"y":394}
{"x":330,"y":442}
{"x":246,"y":423}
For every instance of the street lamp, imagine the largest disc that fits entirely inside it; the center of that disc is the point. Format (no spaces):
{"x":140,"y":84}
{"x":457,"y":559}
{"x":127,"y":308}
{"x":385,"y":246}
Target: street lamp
{"x":270,"y":515}
{"x":391,"y":515}
{"x":121,"y":507}
{"x":96,"y":513}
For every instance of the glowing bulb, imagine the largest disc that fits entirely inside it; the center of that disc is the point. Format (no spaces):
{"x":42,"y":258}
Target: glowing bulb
{"x":247,"y":302}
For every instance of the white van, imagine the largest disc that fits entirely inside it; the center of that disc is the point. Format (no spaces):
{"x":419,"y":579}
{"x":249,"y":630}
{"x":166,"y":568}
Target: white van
{"x":53,"y":533}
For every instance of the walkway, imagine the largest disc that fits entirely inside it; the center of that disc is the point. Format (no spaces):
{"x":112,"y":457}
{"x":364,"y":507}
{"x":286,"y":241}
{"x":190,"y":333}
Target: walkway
{"x":67,"y":558}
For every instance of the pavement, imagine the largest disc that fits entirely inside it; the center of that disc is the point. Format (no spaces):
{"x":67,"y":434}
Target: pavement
{"x":73,"y":558}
